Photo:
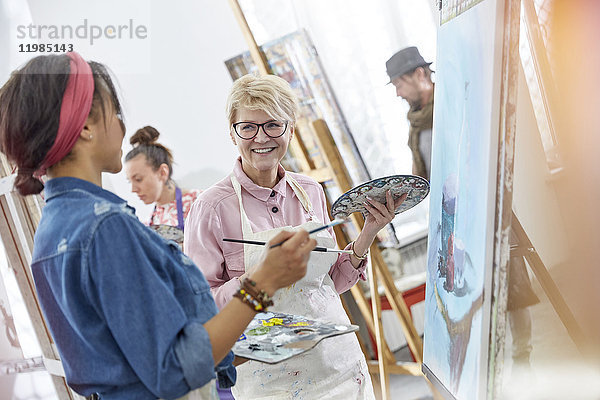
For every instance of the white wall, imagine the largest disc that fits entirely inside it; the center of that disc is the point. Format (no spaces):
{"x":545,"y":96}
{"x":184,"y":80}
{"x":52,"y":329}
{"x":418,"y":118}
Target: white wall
{"x":174,"y":79}
{"x":534,"y":198}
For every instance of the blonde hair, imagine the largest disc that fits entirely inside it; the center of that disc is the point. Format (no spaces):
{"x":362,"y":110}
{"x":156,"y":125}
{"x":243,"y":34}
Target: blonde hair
{"x":268,"y":93}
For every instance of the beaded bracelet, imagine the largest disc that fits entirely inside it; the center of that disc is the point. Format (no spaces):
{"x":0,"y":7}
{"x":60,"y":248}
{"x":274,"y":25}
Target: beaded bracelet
{"x":248,"y":299}
{"x":257,"y":300}
{"x":363,"y":257}
{"x":260,"y":295}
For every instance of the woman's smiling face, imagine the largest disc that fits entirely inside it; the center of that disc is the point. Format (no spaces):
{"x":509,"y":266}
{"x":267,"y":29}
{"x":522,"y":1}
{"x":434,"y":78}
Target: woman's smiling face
{"x":260,"y":155}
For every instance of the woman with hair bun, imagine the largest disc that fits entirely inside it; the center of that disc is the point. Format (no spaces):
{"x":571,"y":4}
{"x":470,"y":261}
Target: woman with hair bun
{"x":131,"y":315}
{"x":149,"y":168}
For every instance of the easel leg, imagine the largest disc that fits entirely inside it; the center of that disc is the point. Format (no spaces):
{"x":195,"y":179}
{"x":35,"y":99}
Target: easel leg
{"x":365,"y":310}
{"x":376,"y":302}
{"x":549,"y":287}
{"x":398,"y":305}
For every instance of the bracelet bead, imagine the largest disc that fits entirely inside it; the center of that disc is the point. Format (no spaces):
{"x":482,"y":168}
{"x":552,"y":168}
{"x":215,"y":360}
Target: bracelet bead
{"x":257,"y":300}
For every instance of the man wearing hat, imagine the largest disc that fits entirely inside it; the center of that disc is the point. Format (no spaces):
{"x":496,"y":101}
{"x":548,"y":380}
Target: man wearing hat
{"x":411,"y":76}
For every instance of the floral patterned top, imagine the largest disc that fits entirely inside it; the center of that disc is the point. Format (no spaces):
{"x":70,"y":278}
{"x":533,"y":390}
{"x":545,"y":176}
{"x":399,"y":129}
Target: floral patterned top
{"x":166,"y":214}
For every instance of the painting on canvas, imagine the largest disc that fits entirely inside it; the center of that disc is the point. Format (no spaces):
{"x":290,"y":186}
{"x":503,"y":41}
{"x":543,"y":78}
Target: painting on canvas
{"x":462,"y":201}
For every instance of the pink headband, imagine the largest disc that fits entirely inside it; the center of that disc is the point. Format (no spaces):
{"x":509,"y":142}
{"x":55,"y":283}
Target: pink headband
{"x":75,"y":108}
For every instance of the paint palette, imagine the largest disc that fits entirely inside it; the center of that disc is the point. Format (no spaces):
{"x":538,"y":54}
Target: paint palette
{"x":168,"y":232}
{"x":352,"y":201}
{"x":272,"y":337}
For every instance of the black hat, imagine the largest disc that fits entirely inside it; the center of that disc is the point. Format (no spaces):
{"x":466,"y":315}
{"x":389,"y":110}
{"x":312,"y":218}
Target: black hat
{"x":404,"y":61}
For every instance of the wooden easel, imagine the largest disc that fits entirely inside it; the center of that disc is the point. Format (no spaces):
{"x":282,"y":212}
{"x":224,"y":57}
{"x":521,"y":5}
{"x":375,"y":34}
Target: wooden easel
{"x":525,"y":248}
{"x":336,"y":171}
{"x":19,"y":218}
{"x":505,"y":218}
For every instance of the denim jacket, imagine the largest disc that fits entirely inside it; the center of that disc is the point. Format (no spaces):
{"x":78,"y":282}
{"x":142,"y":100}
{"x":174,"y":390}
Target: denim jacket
{"x":125,"y":307}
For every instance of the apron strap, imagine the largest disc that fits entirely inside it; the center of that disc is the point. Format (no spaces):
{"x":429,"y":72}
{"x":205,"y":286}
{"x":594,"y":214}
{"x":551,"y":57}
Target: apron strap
{"x":246,"y":228}
{"x":152,"y":216}
{"x":179,"y":203}
{"x":301,"y":195}
{"x":179,"y":208}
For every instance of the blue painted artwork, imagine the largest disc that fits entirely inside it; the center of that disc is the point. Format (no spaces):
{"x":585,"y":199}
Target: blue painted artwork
{"x":462,"y":202}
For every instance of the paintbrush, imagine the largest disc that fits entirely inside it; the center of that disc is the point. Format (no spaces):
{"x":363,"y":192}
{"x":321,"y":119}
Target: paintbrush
{"x":329,"y":225}
{"x":313,"y":340}
{"x":324,"y":249}
{"x":318,"y":248}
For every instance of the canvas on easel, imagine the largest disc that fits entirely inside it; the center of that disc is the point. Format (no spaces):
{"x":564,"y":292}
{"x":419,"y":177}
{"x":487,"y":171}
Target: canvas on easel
{"x":19,"y":217}
{"x":10,"y":348}
{"x":462,"y":220}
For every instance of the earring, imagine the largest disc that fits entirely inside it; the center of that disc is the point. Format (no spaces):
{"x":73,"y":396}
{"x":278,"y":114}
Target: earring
{"x":91,"y":137}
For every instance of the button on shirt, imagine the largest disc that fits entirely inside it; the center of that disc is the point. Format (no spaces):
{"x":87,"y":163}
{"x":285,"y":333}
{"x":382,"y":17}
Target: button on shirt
{"x":216,"y":215}
{"x":125,"y":307}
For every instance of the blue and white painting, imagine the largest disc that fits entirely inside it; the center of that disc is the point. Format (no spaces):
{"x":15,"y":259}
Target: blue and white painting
{"x":462,"y":201}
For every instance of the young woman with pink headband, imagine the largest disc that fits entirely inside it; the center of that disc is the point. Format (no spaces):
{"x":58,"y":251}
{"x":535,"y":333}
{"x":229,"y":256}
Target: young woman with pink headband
{"x":131,"y":315}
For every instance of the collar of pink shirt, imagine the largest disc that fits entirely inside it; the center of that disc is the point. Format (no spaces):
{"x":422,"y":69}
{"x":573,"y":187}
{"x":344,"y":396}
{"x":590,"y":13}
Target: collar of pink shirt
{"x":261,"y":193}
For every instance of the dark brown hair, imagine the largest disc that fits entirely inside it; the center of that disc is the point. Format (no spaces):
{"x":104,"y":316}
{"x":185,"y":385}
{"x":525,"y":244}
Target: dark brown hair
{"x":30,"y":103}
{"x":144,"y":142}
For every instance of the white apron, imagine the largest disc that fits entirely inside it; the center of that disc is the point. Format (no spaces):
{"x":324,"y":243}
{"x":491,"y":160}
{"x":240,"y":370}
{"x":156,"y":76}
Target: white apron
{"x":333,"y":369}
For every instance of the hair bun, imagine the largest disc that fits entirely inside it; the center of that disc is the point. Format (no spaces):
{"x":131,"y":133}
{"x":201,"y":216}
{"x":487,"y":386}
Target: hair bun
{"x":26,"y":184}
{"x":146,"y":135}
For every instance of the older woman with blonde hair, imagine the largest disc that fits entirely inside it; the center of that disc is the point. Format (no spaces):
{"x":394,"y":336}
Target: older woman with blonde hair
{"x":256,"y":201}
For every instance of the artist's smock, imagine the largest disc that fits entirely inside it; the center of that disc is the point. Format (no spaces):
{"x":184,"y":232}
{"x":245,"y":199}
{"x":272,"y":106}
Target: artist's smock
{"x":334,"y":368}
{"x":125,"y":307}
{"x":216,"y":215}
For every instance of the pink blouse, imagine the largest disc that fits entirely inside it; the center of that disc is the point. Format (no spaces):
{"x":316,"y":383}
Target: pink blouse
{"x":166,"y":214}
{"x":216,"y":215}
